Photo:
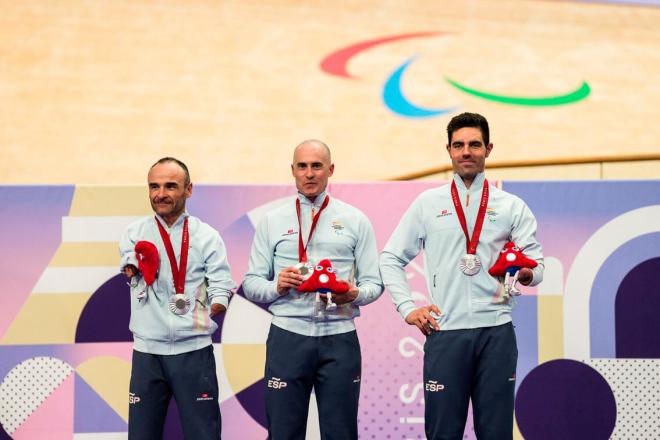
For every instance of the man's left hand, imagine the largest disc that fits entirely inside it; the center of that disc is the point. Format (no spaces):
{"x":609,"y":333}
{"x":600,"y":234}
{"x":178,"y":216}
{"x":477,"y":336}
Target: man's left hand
{"x":342,"y":298}
{"x":525,"y":276}
{"x":216,"y":309}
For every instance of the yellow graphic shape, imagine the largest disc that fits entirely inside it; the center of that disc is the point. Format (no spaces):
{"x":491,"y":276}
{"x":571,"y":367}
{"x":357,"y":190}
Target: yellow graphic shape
{"x":516,"y":432}
{"x":99,"y":200}
{"x":244,"y":364}
{"x":76,"y":254}
{"x":109,"y":376}
{"x":47,"y":319}
{"x":550,"y":312}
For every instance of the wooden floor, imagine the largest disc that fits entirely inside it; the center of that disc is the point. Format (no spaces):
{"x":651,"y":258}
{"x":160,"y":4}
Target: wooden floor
{"x":94,"y":92}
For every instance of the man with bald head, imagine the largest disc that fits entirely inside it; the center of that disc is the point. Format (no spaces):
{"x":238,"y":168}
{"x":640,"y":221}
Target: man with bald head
{"x":311,"y":344}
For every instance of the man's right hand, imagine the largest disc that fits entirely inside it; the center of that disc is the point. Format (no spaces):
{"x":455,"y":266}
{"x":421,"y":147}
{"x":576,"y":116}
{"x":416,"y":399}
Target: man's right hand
{"x":422,"y":318}
{"x":288,"y":278}
{"x":130,"y":270}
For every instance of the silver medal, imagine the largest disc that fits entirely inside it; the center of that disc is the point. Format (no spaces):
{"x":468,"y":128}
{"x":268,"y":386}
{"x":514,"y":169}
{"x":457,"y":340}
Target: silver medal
{"x":305,"y":269}
{"x":179,"y":304}
{"x":469,"y":264}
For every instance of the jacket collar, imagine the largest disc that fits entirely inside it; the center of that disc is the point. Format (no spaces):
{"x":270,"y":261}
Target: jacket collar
{"x":477,"y":183}
{"x":318,"y":201}
{"x":179,"y":221}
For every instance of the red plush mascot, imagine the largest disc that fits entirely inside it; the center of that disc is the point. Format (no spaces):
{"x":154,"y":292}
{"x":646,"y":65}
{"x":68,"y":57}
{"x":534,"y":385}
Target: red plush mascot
{"x":510,"y":261}
{"x":324,"y":280}
{"x":148,"y":261}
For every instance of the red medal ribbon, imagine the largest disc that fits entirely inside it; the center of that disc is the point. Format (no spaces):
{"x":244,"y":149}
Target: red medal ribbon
{"x":471,"y":243}
{"x":302,"y":249}
{"x":178,"y":273}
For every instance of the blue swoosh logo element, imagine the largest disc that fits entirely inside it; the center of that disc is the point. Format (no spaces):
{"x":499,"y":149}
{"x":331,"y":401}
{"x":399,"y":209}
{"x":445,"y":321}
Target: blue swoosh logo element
{"x":396,"y":102}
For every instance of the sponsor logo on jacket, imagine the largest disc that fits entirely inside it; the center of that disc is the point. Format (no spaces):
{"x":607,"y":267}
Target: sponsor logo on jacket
{"x":492,"y":214}
{"x":337,"y":227}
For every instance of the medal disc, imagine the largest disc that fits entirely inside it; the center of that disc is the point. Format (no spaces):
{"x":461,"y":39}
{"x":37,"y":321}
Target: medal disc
{"x":469,"y":264}
{"x":179,"y":304}
{"x":305,"y":269}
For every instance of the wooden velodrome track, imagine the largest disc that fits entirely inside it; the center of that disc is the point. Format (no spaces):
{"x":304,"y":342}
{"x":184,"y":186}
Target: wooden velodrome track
{"x":94,"y":92}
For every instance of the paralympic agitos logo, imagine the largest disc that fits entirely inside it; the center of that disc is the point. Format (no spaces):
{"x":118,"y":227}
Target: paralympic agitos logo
{"x":393,"y":97}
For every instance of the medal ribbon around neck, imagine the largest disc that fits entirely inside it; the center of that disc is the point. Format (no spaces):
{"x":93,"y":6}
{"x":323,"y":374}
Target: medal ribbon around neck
{"x":302,"y":249}
{"x":471,"y":243}
{"x":178,"y":273}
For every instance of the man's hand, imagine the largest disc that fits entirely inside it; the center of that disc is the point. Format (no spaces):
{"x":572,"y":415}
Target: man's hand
{"x":130,"y":271}
{"x":288,"y":278}
{"x":422,"y":318}
{"x":525,"y":276}
{"x":342,"y":298}
{"x":217,"y":309}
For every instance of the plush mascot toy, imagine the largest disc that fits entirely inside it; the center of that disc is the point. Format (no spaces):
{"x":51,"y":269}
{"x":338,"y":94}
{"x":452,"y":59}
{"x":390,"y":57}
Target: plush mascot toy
{"x":148,"y":261}
{"x":509,"y":263}
{"x":324,"y":280}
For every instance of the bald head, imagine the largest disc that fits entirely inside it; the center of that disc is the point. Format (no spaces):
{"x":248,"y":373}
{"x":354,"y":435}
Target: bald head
{"x":311,"y":167}
{"x":313,"y":145}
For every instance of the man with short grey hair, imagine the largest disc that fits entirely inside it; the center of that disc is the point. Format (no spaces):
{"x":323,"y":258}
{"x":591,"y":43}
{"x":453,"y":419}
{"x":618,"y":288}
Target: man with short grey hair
{"x":179,"y":278}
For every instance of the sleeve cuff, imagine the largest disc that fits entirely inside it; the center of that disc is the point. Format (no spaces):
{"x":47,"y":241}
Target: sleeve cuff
{"x":129,"y":259}
{"x":221,"y":299}
{"x":537,"y":276}
{"x":406,"y":308}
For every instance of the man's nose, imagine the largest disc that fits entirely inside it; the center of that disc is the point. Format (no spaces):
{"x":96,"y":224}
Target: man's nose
{"x":465,"y":152}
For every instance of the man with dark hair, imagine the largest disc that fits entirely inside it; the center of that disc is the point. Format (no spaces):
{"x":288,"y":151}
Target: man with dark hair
{"x":474,"y":120}
{"x":311,"y":344}
{"x":179,"y":278}
{"x":470,"y":350}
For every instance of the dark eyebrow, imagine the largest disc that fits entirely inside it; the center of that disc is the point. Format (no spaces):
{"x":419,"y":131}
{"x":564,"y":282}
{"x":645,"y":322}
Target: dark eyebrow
{"x":311,"y":164}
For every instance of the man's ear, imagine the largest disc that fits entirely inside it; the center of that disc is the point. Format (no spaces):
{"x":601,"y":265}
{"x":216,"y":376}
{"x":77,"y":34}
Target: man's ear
{"x":489,"y":148}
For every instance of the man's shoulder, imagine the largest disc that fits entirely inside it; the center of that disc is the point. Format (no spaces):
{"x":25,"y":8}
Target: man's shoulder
{"x":139,"y":222}
{"x":277,"y":209}
{"x":432,"y":195}
{"x":199,"y":226}
{"x":346,"y":208}
{"x":498,"y":193}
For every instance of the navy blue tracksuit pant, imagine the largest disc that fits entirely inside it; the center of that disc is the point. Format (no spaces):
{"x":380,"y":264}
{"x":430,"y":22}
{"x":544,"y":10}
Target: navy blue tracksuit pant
{"x":477,"y":364}
{"x":296,"y":363}
{"x":190,"y":378}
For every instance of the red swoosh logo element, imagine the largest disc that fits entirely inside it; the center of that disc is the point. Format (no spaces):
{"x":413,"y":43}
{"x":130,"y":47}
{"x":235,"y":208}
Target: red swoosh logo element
{"x":335,"y":63}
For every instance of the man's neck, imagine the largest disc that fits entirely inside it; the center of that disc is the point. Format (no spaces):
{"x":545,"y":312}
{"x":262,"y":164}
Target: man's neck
{"x":313,"y":198}
{"x":171,"y":219}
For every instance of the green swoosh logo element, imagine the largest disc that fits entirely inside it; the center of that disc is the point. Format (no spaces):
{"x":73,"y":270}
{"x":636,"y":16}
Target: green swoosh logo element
{"x":582,"y":92}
